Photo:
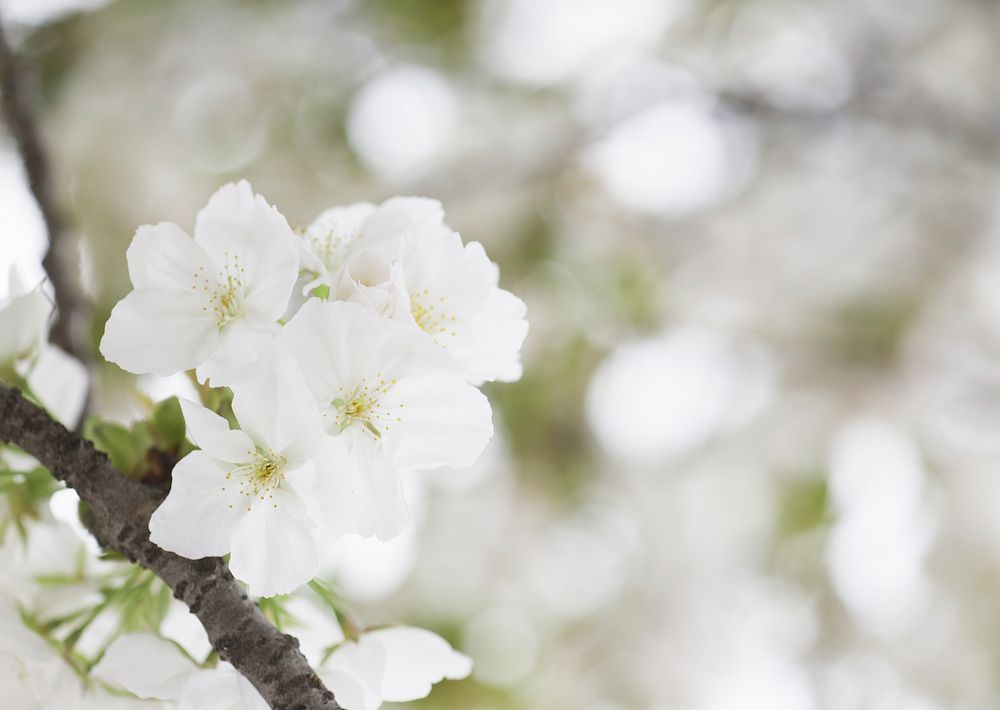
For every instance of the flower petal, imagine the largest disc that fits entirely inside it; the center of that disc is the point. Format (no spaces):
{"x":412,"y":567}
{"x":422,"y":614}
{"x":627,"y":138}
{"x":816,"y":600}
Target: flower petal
{"x":60,"y":382}
{"x":236,"y":223}
{"x":358,"y":491}
{"x":212,"y":434}
{"x":416,"y":659}
{"x":443,"y":421}
{"x":490,"y":345}
{"x":462,"y":277}
{"x":354,"y":674}
{"x":220,"y":688}
{"x":330,"y":236}
{"x":15,"y":284}
{"x":199,"y":515}
{"x":145,"y":665}
{"x":374,"y":283}
{"x":164,"y":256}
{"x":349,"y":692}
{"x":242,"y":345}
{"x":274,"y":551}
{"x":401,"y":220}
{"x":333,"y":343}
{"x":278,"y":411}
{"x":24,"y":322}
{"x":159,"y":332}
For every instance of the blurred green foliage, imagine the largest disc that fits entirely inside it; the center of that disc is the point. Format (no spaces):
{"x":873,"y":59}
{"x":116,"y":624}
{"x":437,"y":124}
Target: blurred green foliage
{"x":803,"y":506}
{"x":25,"y":492}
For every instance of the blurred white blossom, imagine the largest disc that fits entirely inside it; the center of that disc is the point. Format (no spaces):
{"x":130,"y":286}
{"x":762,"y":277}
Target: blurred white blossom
{"x":151,"y":667}
{"x":394,"y":664}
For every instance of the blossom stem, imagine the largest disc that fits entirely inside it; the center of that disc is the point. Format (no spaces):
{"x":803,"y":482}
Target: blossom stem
{"x":352,"y":630}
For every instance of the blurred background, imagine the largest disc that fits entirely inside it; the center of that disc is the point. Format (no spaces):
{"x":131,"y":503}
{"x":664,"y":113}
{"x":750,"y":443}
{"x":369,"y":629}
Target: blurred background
{"x":754,"y":461}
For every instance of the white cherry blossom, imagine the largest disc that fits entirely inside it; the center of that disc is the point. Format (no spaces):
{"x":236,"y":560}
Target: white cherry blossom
{"x":454,"y":298}
{"x":402,"y":261}
{"x":48,"y":549}
{"x":55,"y":379}
{"x":244,"y":492}
{"x":153,"y":668}
{"x":395,"y":664}
{"x":340,"y":233}
{"x":210,"y":302}
{"x":24,"y":321}
{"x":383,"y":391}
{"x":33,"y":676}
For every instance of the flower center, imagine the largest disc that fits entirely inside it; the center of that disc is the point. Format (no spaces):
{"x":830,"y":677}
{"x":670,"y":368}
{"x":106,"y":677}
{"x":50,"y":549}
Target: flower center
{"x":224,"y":292}
{"x":257,"y":479}
{"x":429,"y":316}
{"x":226,"y":302}
{"x":331,"y":243}
{"x":363,"y":406}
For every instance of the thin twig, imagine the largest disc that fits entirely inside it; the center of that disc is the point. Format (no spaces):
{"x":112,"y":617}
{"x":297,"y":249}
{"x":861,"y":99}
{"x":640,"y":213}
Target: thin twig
{"x":61,"y":265}
{"x":118,"y":515}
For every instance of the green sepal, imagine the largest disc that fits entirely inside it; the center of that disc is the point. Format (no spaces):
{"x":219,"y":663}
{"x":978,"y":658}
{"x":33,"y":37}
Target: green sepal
{"x":322,"y":291}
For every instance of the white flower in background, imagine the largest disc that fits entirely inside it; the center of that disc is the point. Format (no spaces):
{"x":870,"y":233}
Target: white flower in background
{"x":244,"y":492}
{"x":60,"y":383}
{"x":49,"y":549}
{"x":381,"y":389}
{"x":401,"y":121}
{"x":211,"y":302}
{"x":395,"y":664}
{"x":32,"y":675}
{"x":153,"y":668}
{"x":24,"y":321}
{"x":57,"y":380}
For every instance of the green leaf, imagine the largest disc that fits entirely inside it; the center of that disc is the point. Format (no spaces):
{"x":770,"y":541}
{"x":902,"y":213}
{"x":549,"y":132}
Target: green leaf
{"x":24,"y":492}
{"x":57,"y":580}
{"x":274,"y":609}
{"x":168,"y":423}
{"x":125,"y":449}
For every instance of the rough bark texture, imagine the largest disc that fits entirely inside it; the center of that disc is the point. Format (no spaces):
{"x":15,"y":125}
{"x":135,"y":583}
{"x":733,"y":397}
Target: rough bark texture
{"x":120,"y":510}
{"x":60,"y":262}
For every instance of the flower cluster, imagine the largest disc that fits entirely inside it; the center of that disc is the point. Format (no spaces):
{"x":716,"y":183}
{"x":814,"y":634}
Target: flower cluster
{"x":353,"y":350}
{"x":334,"y":360}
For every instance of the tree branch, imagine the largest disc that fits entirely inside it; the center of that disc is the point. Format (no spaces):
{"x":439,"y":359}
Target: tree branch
{"x":120,"y":509}
{"x":59,"y":262}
